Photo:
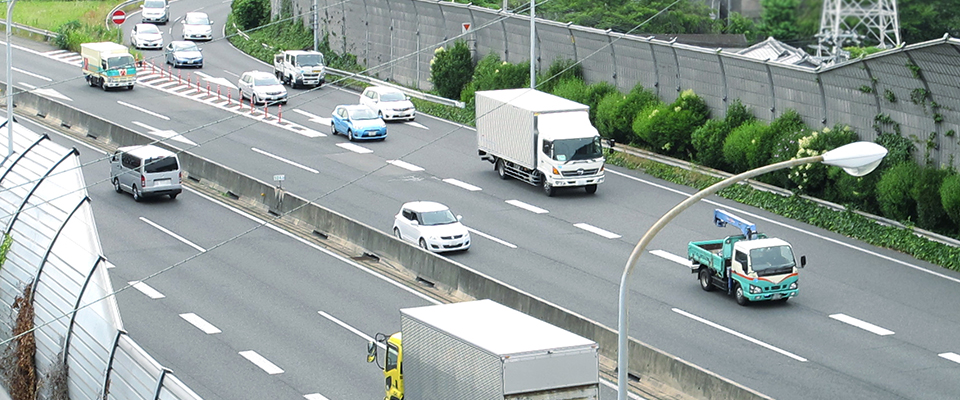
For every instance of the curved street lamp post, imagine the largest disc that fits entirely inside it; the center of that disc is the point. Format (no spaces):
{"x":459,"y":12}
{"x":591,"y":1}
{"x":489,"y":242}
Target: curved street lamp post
{"x":856,"y":159}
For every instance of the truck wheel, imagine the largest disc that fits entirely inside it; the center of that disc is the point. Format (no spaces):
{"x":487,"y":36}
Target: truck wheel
{"x":705,"y":280}
{"x":547,"y":188}
{"x":103,"y":84}
{"x":591,"y":189}
{"x":501,"y":169}
{"x":741,"y":299}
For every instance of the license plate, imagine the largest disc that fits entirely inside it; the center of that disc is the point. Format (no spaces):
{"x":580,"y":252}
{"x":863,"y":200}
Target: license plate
{"x":776,"y":296}
{"x":161,"y":182}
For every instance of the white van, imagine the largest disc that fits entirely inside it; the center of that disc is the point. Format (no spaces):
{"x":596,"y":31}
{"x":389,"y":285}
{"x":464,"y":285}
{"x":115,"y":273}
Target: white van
{"x":146,"y":171}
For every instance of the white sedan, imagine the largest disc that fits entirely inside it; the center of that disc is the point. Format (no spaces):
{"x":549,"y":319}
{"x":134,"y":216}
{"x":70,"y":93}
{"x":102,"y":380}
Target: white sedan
{"x":146,"y":36}
{"x":432,"y":226}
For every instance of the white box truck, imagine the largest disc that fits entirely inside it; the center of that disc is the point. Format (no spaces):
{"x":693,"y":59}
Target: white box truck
{"x":482,"y":350}
{"x":108,"y":65}
{"x":539,"y":138}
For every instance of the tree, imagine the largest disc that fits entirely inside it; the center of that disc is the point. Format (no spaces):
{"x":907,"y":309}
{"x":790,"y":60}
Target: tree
{"x":451,"y":70}
{"x":250,"y":14}
{"x":922,"y":20}
{"x":779,"y":19}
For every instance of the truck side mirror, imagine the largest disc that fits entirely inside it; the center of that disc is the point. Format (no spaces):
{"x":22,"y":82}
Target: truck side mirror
{"x":371,"y":351}
{"x":803,"y":261}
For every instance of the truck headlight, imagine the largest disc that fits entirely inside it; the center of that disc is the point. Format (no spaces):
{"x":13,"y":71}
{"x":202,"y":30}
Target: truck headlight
{"x":793,"y":286}
{"x":755,"y":289}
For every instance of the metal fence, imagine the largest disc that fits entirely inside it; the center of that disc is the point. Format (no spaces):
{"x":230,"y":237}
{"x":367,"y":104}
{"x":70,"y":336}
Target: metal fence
{"x":44,"y":207}
{"x":397,"y":38}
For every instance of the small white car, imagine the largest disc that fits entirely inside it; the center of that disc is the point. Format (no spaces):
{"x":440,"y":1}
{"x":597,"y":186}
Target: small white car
{"x":262,"y":87}
{"x":146,"y":36}
{"x":390,"y":103}
{"x":432,"y":226}
{"x":197,"y":26}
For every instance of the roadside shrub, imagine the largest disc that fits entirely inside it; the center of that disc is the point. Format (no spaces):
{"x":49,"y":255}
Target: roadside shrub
{"x":899,"y":149}
{"x":249,"y":14}
{"x":926,"y":193}
{"x":814,"y":178}
{"x":71,"y":34}
{"x":893,"y":192}
{"x":492,"y":74}
{"x":741,"y":147}
{"x":595,"y":93}
{"x":559,"y":70}
{"x":707,"y":140}
{"x":609,"y":121}
{"x":571,"y":89}
{"x":667,"y":128}
{"x":950,"y":198}
{"x":450,"y":70}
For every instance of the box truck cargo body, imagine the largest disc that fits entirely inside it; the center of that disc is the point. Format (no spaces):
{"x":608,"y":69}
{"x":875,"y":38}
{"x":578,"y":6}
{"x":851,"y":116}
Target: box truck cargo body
{"x":108,"y":65}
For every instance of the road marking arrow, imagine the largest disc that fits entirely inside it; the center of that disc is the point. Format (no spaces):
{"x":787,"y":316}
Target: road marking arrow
{"x":165,"y":134}
{"x":315,"y":118}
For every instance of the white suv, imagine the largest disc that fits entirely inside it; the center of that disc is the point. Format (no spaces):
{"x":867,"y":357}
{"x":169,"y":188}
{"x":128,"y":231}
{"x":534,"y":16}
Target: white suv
{"x":432,"y":226}
{"x":390,"y":103}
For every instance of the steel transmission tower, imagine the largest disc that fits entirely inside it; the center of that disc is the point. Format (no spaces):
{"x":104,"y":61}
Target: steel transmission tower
{"x":845,"y":22}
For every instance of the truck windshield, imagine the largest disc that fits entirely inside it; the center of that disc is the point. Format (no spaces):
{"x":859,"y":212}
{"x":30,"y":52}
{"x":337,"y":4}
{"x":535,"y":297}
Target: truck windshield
{"x":772,"y":260}
{"x":577,"y":149}
{"x":123,"y":61}
{"x":442,"y":217}
{"x":309,"y":60}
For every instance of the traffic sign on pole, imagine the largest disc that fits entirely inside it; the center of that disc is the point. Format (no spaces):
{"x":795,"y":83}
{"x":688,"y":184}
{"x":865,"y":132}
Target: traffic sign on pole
{"x":118,"y":17}
{"x":465,"y":27}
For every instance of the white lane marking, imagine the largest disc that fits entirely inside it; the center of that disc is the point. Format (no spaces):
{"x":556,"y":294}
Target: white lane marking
{"x":165,"y":134}
{"x":31,"y":74}
{"x":54,"y":52}
{"x":951,"y":356}
{"x":672,"y":257}
{"x":418,"y":125}
{"x":45,"y":92}
{"x":806,"y":232}
{"x":315,"y":396}
{"x":261,"y":362}
{"x":146,"y":289}
{"x":464,"y":185}
{"x":739,"y":335}
{"x":231,"y":73}
{"x":861,"y":324}
{"x":354,"y":148}
{"x":525,"y":206}
{"x":598,"y":231}
{"x":278,"y":158}
{"x":320,"y":249}
{"x":405,"y":165}
{"x":143,"y":110}
{"x":314,"y":118}
{"x":175,"y":236}
{"x":200,"y":323}
{"x":348,"y":327}
{"x":505,"y":243}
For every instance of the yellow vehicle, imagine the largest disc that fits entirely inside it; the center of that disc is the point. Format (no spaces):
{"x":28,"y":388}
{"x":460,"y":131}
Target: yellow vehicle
{"x":484,"y":350}
{"x":108,"y":65}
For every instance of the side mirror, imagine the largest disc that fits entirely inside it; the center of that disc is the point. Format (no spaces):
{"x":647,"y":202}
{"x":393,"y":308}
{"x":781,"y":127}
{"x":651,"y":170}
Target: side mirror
{"x":459,"y":217}
{"x":414,"y":222}
{"x":371,"y":351}
{"x":803,"y":261}
{"x":141,"y":6}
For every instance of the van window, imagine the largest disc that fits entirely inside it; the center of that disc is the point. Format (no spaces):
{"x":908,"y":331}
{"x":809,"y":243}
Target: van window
{"x":161,"y":164}
{"x":130,"y":161}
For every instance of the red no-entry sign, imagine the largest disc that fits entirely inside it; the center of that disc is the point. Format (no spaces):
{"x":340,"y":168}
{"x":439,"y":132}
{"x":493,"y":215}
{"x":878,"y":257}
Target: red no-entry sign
{"x":118,"y":17}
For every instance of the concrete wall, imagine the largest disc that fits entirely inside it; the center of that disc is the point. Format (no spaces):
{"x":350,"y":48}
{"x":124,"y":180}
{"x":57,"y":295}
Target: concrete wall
{"x":645,"y":361}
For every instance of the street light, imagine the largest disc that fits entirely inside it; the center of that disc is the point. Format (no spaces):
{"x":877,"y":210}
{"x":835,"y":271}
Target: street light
{"x":856,"y":159}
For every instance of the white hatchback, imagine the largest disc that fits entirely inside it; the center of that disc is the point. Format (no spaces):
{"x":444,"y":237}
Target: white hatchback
{"x":432,"y":226}
{"x":261,"y":87}
{"x":390,"y":103}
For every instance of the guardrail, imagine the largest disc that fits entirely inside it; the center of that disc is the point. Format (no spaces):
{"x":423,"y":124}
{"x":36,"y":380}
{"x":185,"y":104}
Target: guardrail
{"x":408,"y":91}
{"x":36,"y":31}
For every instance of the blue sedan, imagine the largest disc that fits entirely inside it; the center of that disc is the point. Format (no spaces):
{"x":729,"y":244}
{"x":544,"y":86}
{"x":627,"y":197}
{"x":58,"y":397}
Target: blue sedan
{"x":358,"y":122}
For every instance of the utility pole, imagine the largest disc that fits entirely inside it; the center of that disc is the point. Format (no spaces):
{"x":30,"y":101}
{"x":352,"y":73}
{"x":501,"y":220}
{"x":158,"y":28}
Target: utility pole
{"x":316,"y":26}
{"x":533,"y":46}
{"x":9,"y":82}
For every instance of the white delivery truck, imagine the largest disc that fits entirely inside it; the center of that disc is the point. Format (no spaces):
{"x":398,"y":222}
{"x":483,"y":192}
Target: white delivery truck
{"x":482,"y":350}
{"x":539,"y":138}
{"x":108,"y":65}
{"x":299,"y":68}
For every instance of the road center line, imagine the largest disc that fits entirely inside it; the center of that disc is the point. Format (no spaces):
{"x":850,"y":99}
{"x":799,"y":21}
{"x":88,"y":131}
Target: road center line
{"x":200,"y":323}
{"x":525,"y":206}
{"x":598,"y":231}
{"x":144,"y":110}
{"x":405,"y":165}
{"x":861,"y":324}
{"x":175,"y":236}
{"x":314,"y":396}
{"x":146,"y":289}
{"x":281,"y":159}
{"x":951,"y":356}
{"x":464,"y":185}
{"x":261,"y":362}
{"x":349,"y":328}
{"x":739,"y":335}
{"x":354,"y":148}
{"x":672,"y":257}
{"x":508,"y":244}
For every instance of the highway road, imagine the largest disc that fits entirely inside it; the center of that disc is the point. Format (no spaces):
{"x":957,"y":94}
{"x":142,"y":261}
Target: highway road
{"x":869,"y":323}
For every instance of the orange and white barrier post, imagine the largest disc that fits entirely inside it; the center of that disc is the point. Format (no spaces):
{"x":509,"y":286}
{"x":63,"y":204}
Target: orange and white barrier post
{"x":279,"y":113}
{"x":218,"y":93}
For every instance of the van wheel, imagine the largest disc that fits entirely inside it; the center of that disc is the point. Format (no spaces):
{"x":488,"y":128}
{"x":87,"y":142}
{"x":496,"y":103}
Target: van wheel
{"x":136,"y":194}
{"x":705,"y":280}
{"x":591,"y":189}
{"x":741,"y":299}
{"x":116,"y":185}
{"x":501,"y":169}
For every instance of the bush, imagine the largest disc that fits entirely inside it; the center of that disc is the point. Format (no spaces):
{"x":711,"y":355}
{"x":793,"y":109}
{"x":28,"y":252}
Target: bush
{"x":493,"y":74}
{"x":71,"y":34}
{"x":249,"y":14}
{"x":893,"y":192}
{"x":899,"y":149}
{"x":450,"y":70}
{"x":926,"y":193}
{"x":572,"y":89}
{"x":667,"y":128}
{"x":950,"y":198}
{"x":617,"y":114}
{"x":814,"y":179}
{"x":741,"y":146}
{"x":707,"y":140}
{"x":559,"y":70}
{"x":595,"y":93}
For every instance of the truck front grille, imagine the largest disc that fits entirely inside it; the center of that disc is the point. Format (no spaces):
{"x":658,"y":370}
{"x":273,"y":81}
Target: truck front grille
{"x":580,"y":172}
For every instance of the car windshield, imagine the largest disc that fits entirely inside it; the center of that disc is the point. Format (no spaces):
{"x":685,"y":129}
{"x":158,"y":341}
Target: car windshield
{"x":197,"y":19}
{"x":577,"y":149}
{"x":123,"y":61}
{"x":775,"y":259}
{"x":442,"y":217}
{"x":149,"y":28}
{"x":265,"y":80}
{"x":161,"y":164}
{"x":392,"y":96}
{"x":153,"y":4}
{"x":363,"y":113}
{"x":189,"y":46}
{"x":309,"y":60}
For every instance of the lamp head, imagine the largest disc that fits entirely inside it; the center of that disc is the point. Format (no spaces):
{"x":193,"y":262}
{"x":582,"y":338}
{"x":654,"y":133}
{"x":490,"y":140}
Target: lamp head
{"x":857,"y":159}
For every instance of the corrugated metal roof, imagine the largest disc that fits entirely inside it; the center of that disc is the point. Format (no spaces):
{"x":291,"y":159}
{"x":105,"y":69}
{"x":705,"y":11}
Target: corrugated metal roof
{"x":779,"y":52}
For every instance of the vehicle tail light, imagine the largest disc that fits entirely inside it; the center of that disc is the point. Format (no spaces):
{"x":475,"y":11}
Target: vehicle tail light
{"x":180,"y":176}
{"x":143,"y":181}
